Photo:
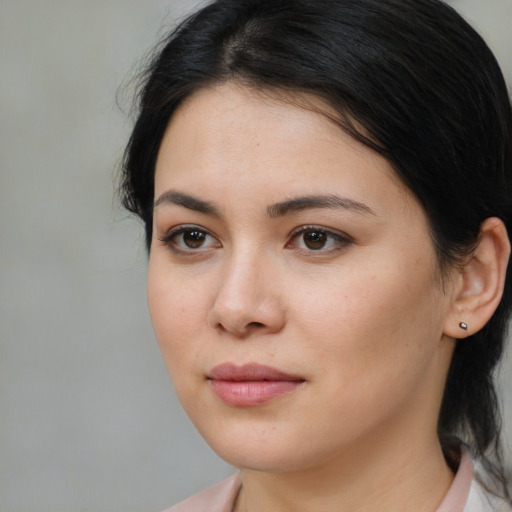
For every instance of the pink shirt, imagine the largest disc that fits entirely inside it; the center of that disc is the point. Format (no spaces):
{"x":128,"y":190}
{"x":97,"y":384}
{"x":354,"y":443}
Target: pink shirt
{"x":464,"y":495}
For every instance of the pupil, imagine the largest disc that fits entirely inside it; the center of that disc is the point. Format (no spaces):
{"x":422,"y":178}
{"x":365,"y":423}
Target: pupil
{"x":315,"y":240}
{"x":193,"y":239}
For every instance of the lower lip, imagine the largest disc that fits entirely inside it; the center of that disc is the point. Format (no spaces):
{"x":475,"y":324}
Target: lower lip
{"x":251,"y":393}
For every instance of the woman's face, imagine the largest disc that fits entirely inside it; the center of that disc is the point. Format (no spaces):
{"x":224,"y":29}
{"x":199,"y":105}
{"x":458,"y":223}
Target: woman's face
{"x":293,"y":285}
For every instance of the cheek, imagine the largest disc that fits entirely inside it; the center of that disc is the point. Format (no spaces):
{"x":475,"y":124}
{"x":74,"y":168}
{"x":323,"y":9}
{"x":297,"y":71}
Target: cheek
{"x":178,"y":312}
{"x":373,"y":352}
{"x":373,"y":327}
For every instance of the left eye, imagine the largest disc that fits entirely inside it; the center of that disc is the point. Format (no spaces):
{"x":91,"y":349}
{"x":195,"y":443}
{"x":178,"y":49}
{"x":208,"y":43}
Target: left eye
{"x":317,"y":239}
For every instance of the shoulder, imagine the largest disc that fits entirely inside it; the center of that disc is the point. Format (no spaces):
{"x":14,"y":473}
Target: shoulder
{"x":217,"y":498}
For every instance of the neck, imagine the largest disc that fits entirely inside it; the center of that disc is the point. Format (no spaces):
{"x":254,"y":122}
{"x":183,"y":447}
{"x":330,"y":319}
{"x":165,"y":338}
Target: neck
{"x":394,"y":477}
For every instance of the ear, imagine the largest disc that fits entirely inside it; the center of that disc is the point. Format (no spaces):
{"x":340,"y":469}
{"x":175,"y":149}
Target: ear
{"x":479,"y":286}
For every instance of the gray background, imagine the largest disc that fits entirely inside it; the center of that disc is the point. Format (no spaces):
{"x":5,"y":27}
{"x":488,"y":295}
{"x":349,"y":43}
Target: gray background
{"x":88,"y":420}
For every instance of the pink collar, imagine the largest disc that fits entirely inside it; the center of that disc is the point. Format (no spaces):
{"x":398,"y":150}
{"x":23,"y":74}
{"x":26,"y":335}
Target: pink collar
{"x":455,"y":499}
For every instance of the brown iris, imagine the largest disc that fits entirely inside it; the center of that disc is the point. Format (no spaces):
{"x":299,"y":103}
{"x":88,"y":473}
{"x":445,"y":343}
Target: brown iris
{"x":194,"y":238}
{"x":314,"y":239}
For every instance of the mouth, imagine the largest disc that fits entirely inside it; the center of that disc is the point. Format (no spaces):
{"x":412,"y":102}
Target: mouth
{"x":251,"y":384}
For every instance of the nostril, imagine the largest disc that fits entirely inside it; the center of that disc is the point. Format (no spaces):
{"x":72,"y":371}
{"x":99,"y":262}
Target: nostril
{"x":256,"y":324}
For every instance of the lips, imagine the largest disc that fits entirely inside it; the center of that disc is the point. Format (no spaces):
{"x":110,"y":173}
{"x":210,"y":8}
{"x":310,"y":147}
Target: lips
{"x":251,"y":384}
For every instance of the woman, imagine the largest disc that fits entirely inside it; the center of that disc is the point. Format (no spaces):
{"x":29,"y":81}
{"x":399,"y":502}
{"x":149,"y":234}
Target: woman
{"x":326,"y":190}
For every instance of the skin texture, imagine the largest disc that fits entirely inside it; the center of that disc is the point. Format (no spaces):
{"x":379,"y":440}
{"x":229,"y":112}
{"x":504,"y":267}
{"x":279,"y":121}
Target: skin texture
{"x":362,"y":320}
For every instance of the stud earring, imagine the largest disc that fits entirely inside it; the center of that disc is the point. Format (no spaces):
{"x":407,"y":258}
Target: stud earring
{"x":463,"y":326}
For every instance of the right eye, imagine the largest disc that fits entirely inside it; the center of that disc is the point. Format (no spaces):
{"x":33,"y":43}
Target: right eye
{"x":189,"y":239}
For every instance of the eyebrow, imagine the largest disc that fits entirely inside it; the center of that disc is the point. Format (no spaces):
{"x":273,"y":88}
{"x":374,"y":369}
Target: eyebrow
{"x":310,"y":202}
{"x":189,"y":202}
{"x":274,"y":211}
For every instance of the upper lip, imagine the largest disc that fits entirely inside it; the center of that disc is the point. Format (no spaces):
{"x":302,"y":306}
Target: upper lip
{"x":249,"y":372}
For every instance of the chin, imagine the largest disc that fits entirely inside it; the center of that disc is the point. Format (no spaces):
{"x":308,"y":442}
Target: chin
{"x":259,"y":459}
{"x":268,"y":448}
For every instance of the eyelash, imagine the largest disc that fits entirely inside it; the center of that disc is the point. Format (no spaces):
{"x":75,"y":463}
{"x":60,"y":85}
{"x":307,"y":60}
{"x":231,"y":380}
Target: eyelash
{"x":339,"y":240}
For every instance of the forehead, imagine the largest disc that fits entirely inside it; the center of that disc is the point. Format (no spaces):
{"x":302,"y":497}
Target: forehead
{"x":230,"y":133}
{"x":244,"y":111}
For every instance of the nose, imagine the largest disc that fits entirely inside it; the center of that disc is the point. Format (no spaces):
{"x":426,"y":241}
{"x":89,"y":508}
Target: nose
{"x":248,"y":299}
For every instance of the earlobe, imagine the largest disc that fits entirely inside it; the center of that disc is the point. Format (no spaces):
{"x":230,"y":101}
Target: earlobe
{"x":481,"y":281}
